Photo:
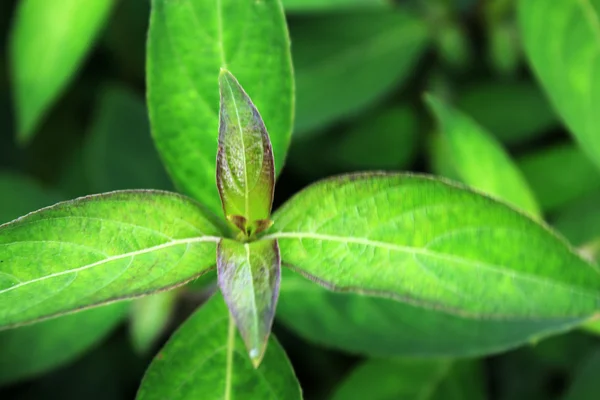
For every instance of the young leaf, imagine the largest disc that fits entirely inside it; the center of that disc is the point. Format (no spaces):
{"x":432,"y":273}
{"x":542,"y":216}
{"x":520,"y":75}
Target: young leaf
{"x":360,"y":57}
{"x":480,"y":160}
{"x":119,"y":153}
{"x":31,"y":350}
{"x":433,"y":244}
{"x":564,"y":59}
{"x":249,"y":38}
{"x":98,"y":249}
{"x":412,"y":379}
{"x":559,"y":174}
{"x":149,"y":318}
{"x":205,"y":359}
{"x":249,"y":276}
{"x":41,"y":64}
{"x":245,"y":170}
{"x":513,"y":112}
{"x":380,"y":327}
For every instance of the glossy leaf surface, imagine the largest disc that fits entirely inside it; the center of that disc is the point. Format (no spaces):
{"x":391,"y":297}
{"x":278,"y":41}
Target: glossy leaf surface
{"x":249,"y":275}
{"x":41,"y":64}
{"x":207,"y":359}
{"x":98,"y":249}
{"x":433,"y":244}
{"x":564,"y":60}
{"x":379,"y":327}
{"x":245,"y":170}
{"x":480,"y":160}
{"x":184,"y":57}
{"x":345,"y":62}
{"x":412,"y":379}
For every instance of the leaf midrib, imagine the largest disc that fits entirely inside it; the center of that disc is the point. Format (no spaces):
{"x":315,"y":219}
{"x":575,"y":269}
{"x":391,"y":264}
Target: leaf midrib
{"x":114,"y":258}
{"x":428,"y":252}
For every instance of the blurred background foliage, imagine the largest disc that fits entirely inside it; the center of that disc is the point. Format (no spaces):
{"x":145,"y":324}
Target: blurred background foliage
{"x":362,"y":68}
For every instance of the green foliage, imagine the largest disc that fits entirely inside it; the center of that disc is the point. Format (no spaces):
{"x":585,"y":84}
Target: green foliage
{"x":479,"y":160}
{"x":98,"y":249}
{"x":402,"y":274}
{"x":41,"y":64}
{"x":412,"y":379}
{"x":425,"y":241}
{"x":183,"y":62}
{"x":564,"y":60}
{"x":207,"y":344}
{"x":358,"y":58}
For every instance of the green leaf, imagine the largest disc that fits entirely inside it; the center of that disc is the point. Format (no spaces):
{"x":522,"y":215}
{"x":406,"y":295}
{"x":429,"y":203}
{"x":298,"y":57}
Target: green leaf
{"x":480,"y":160}
{"x":188,"y":42}
{"x":21,"y":194}
{"x":40,"y":31}
{"x":345,"y":62}
{"x":245,"y":171}
{"x":379,"y":327}
{"x":586,"y":385}
{"x":150,"y":316}
{"x":564,"y":59}
{"x":559,"y":175}
{"x":249,"y":275}
{"x":119,"y":153}
{"x":31,"y":350}
{"x":206,"y":359}
{"x":333,"y":5}
{"x":514,"y":112}
{"x":412,"y":379}
{"x":432,"y":244}
{"x":98,"y":249}
{"x":580,"y":221}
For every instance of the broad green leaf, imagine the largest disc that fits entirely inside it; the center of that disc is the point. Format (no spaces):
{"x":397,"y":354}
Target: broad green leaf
{"x":101,"y":248}
{"x":586,"y":384}
{"x":149,"y":318}
{"x":344,"y":62}
{"x":559,"y":174}
{"x":31,"y":350}
{"x":42,"y":65}
{"x":333,"y":5}
{"x":119,"y":153}
{"x":206,"y":359}
{"x":245,"y":171}
{"x":386,"y":139}
{"x":564,"y":59}
{"x":379,"y":327}
{"x":514,"y":112}
{"x":433,"y":244}
{"x":189,"y":41}
{"x":480,"y":160}
{"x":412,"y":379}
{"x":249,"y":275}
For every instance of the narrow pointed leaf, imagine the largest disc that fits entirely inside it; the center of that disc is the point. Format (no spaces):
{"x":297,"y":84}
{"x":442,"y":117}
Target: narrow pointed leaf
{"x":562,"y":44}
{"x":102,"y":248}
{"x":188,"y":42}
{"x":249,"y":276}
{"x":433,"y":244}
{"x":206,"y":359}
{"x":479,"y":158}
{"x":245,"y":170}
{"x":41,"y":64}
